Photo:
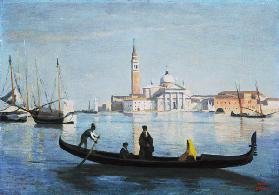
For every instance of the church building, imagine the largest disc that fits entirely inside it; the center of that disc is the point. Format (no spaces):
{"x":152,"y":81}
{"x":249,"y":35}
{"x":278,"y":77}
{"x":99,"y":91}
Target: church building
{"x":166,"y":96}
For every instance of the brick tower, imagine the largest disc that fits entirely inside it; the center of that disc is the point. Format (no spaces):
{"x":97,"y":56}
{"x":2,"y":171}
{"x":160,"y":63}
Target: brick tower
{"x":135,"y":73}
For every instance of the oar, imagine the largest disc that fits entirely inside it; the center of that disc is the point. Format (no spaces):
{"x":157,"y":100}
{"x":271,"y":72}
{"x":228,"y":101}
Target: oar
{"x":87,"y":155}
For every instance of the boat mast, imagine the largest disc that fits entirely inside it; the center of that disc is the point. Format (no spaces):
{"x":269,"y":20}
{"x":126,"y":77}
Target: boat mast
{"x":58,"y":86}
{"x":38,"y":89}
{"x":26,"y":75}
{"x":89,"y":105}
{"x":12,"y":80}
{"x":27,"y":91}
{"x":258,"y":94}
{"x":239,"y":100}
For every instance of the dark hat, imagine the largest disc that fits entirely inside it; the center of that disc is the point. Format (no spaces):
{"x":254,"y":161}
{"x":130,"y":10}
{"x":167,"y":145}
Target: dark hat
{"x":125,"y":144}
{"x":144,"y":127}
{"x":93,"y":126}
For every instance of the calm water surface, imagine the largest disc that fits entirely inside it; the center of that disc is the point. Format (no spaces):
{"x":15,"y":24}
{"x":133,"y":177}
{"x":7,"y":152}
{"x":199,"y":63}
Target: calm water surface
{"x":32,"y":161}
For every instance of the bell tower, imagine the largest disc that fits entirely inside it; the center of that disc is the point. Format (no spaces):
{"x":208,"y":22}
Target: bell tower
{"x":135,"y":73}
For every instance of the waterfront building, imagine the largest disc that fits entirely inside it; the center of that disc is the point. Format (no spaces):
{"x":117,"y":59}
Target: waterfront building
{"x":135,"y":101}
{"x":137,"y":104}
{"x":227,"y":101}
{"x":105,"y":107}
{"x":168,"y":95}
{"x":202,"y":103}
{"x":271,"y":105}
{"x":117,"y":102}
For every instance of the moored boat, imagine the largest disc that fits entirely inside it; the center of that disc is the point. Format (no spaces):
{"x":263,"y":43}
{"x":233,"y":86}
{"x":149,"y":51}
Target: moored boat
{"x":90,"y":110}
{"x":10,"y":112}
{"x":257,"y":114}
{"x":17,"y":116}
{"x":203,"y":161}
{"x":252,"y":116}
{"x":52,"y":116}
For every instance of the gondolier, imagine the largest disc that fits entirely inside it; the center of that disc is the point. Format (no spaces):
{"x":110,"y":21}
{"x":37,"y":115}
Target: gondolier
{"x":89,"y":133}
{"x":146,"y":144}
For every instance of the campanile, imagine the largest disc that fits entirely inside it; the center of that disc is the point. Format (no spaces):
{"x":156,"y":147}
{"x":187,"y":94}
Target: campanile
{"x":135,"y":73}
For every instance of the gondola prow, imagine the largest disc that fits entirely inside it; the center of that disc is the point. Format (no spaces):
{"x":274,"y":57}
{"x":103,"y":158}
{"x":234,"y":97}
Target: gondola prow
{"x":254,"y":143}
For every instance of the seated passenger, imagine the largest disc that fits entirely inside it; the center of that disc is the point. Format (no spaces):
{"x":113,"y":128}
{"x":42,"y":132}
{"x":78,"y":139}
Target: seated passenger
{"x":124,"y":153}
{"x":190,"y":154}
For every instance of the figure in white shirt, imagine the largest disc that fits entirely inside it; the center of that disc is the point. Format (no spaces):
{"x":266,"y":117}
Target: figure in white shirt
{"x":89,"y":133}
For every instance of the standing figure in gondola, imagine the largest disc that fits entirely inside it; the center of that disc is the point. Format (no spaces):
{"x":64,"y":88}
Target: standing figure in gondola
{"x":89,"y":133}
{"x":146,"y":144}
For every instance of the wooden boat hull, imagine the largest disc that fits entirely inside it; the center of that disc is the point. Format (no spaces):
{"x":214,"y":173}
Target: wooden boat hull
{"x":249,"y":116}
{"x":203,"y":161}
{"x":89,"y":112}
{"x":13,"y":117}
{"x":49,"y":118}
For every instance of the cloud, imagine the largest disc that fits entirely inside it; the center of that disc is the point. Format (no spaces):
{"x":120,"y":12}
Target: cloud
{"x":49,"y":36}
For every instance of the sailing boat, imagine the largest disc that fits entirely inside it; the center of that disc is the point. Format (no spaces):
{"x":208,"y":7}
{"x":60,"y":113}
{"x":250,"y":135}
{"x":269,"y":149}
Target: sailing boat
{"x":50,"y":116}
{"x":259,"y":114}
{"x":90,"y":110}
{"x":11,"y":113}
{"x":210,"y":106}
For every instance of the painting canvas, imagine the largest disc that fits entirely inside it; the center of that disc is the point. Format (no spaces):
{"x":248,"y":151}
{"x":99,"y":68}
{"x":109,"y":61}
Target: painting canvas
{"x":139,"y":97}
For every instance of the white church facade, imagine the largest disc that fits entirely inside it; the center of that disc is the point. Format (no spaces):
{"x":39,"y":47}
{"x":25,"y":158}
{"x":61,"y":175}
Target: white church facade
{"x":168,"y":95}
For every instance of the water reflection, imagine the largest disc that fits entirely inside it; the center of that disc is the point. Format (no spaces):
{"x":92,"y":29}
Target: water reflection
{"x":36,"y":150}
{"x":148,"y":178}
{"x":171,"y":130}
{"x":48,"y":126}
{"x":137,"y":121}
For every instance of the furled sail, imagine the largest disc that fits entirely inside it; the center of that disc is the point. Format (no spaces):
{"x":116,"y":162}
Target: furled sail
{"x":8,"y":97}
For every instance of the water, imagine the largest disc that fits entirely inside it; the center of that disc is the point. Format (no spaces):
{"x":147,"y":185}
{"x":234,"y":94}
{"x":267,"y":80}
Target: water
{"x":32,"y":161}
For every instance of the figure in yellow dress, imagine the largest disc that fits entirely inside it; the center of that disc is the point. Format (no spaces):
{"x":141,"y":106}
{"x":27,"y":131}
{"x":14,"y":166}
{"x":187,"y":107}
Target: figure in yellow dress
{"x":190,"y":154}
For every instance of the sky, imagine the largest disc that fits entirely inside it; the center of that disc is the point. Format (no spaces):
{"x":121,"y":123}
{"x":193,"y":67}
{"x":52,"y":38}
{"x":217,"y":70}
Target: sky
{"x":209,"y":45}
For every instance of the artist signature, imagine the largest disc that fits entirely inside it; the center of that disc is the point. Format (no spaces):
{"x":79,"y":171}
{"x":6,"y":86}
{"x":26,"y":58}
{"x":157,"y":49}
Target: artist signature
{"x":260,"y":186}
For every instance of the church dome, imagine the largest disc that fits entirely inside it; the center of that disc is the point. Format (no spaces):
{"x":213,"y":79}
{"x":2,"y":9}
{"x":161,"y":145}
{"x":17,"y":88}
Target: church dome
{"x":167,"y":78}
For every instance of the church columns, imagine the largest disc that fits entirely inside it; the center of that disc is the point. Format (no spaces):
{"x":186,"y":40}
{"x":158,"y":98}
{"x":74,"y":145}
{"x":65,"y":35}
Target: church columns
{"x":170,"y":101}
{"x":177,"y":101}
{"x":183,"y":101}
{"x":165,"y":102}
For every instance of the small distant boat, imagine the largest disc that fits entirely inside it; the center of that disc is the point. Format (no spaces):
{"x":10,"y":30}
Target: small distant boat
{"x":203,"y":161}
{"x":251,"y":116}
{"x":10,"y":112}
{"x":210,"y":106}
{"x":91,"y":111}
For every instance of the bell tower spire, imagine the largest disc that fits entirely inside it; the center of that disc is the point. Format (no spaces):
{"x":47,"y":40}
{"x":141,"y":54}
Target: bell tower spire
{"x":135,"y":72}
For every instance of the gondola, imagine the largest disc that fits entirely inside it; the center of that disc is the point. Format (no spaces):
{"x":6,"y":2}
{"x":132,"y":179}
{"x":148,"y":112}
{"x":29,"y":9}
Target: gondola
{"x":203,"y":161}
